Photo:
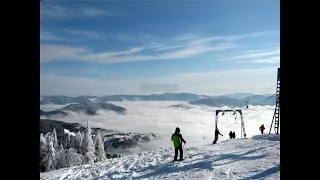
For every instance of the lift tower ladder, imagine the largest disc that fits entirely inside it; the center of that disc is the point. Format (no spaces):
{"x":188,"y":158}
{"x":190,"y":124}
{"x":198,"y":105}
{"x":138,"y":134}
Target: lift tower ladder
{"x":276,"y":115}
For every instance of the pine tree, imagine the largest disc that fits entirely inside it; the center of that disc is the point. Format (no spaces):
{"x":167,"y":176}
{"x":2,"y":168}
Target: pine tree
{"x":49,"y":159}
{"x":73,"y":158}
{"x":47,"y":135}
{"x":60,"y":157}
{"x":82,"y":139}
{"x":55,"y":139}
{"x":43,"y":146}
{"x":71,"y":142}
{"x":88,"y":147}
{"x":99,"y":148}
{"x":67,"y":141}
{"x":78,"y":142}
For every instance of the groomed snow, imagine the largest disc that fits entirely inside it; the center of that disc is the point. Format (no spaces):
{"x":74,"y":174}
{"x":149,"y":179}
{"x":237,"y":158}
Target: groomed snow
{"x":254,"y":158}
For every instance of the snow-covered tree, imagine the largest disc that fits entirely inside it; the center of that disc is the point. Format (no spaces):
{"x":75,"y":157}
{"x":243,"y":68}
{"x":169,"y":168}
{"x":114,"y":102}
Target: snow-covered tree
{"x":43,"y":146}
{"x":99,"y":148}
{"x":60,"y":157}
{"x":73,"y":158}
{"x":82,"y":137}
{"x":48,"y":135}
{"x":67,"y":141}
{"x":88,"y":147}
{"x":78,"y":142}
{"x":49,"y":159}
{"x":71,"y":142}
{"x":61,"y":147}
{"x":55,"y":139}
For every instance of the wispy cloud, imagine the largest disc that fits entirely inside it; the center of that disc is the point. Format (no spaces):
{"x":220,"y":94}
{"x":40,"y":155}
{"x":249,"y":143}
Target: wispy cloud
{"x":85,"y":33}
{"x":50,"y":53}
{"x":257,"y":54}
{"x":137,"y":38}
{"x":170,"y":48}
{"x":53,"y":11}
{"x":187,"y":39}
{"x":264,"y":60}
{"x":162,"y":47}
{"x":233,"y":73}
{"x":69,"y":35}
{"x":71,"y":53}
{"x":47,"y":11}
{"x":49,"y":36}
{"x":96,"y":12}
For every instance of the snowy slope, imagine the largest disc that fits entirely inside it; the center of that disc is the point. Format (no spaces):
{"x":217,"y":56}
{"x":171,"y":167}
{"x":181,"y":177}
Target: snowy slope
{"x":253,"y":158}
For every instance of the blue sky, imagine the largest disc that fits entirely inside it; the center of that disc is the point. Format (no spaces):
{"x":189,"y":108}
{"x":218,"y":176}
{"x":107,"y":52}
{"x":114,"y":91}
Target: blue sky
{"x":112,"y":47}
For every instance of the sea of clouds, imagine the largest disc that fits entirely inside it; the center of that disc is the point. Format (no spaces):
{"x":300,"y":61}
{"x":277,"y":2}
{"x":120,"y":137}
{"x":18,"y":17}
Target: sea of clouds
{"x":196,"y":123}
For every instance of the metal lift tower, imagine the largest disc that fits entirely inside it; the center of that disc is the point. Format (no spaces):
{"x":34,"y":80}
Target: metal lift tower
{"x":243,"y":130}
{"x":276,"y":115}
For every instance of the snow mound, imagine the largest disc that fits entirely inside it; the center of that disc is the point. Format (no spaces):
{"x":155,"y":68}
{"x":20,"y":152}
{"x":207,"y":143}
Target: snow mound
{"x":252,"y":158}
{"x":270,"y":137}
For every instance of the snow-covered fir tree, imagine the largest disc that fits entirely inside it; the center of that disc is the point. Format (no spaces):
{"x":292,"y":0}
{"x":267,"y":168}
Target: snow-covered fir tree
{"x":88,"y":147}
{"x":60,"y":157}
{"x":78,"y":142}
{"x":49,"y":159}
{"x":73,"y":158}
{"x":43,"y":146}
{"x":71,"y":142}
{"x":99,"y":148}
{"x":67,"y":141}
{"x":55,"y":139}
{"x":48,"y":135}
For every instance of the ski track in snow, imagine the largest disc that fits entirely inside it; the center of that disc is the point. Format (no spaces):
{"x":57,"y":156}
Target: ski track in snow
{"x":257,"y":158}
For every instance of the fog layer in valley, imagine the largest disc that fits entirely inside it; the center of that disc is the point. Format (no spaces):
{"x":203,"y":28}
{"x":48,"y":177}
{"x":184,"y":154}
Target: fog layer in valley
{"x":196,"y":123}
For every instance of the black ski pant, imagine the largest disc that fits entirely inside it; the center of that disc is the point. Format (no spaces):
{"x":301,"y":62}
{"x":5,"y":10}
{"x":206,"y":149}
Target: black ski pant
{"x":176,"y":149}
{"x":215,"y":139}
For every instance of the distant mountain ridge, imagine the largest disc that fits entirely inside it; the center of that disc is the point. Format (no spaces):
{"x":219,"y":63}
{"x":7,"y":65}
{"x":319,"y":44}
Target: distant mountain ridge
{"x":234,"y":102}
{"x":61,"y":100}
{"x":47,"y":125}
{"x":65,"y":99}
{"x":88,"y":108}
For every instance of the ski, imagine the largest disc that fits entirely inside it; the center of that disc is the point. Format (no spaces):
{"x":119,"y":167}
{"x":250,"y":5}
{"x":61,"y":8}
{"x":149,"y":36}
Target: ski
{"x":183,"y":160}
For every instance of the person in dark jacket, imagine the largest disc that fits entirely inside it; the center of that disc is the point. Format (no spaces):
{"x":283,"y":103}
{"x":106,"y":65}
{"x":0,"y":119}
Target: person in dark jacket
{"x":216,"y":133}
{"x":177,"y":143}
{"x":231,"y":135}
{"x":234,"y":134}
{"x":261,"y":128}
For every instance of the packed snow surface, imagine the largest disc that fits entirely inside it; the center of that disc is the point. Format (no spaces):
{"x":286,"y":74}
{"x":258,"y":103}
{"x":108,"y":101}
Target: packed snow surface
{"x":253,"y":158}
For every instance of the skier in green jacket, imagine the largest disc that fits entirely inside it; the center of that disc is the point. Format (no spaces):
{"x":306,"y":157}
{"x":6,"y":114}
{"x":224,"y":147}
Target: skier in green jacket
{"x":177,"y":143}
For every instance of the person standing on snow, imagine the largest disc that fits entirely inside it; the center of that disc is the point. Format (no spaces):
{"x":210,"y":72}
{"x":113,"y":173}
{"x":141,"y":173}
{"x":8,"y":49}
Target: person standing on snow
{"x":216,"y":133}
{"x":261,"y":128}
{"x":177,"y":143}
{"x":231,"y":135}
